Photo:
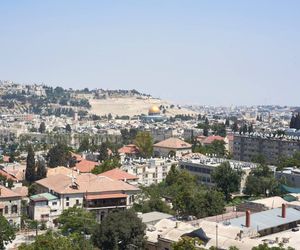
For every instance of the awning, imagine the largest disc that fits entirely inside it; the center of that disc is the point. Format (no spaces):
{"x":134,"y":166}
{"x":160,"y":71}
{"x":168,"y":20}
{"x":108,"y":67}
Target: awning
{"x":104,"y":196}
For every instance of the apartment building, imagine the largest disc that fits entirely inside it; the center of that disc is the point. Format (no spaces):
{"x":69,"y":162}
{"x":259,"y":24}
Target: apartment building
{"x":149,"y":171}
{"x":202,"y":167}
{"x":246,"y":147}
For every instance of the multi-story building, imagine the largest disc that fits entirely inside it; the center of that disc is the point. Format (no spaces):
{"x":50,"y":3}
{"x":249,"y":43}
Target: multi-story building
{"x":10,"y":205}
{"x":247,"y":147}
{"x":149,"y":171}
{"x":96,"y":193}
{"x":202,"y":167}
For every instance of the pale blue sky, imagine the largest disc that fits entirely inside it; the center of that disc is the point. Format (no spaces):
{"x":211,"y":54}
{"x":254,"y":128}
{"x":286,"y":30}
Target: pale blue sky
{"x":201,"y":52}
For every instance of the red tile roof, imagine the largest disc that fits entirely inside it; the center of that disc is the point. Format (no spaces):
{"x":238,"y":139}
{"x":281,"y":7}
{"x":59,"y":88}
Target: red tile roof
{"x":84,"y":183}
{"x":173,"y":143}
{"x":129,"y":149}
{"x":211,"y":138}
{"x":118,"y":174}
{"x":7,"y":175}
{"x":85,"y":166}
{"x":7,"y":193}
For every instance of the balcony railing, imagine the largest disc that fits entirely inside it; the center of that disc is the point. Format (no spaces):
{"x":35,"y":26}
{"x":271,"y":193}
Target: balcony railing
{"x":104,"y":203}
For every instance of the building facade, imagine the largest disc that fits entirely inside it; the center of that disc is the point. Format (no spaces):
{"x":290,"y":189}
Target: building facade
{"x":247,"y":147}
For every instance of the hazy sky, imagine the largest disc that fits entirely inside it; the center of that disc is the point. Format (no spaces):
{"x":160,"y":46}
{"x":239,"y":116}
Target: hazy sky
{"x":201,"y":52}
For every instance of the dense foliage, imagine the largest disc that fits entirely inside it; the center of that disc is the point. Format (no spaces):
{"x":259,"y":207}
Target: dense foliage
{"x":261,"y":181}
{"x":59,"y":155}
{"x":228,"y":180}
{"x":120,"y":230}
{"x":7,"y":232}
{"x":144,"y":142}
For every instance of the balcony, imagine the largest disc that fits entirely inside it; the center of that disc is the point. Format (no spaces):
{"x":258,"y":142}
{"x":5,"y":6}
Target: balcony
{"x":105,"y":201}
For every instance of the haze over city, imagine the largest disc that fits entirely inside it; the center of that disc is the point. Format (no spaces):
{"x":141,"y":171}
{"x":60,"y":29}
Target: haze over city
{"x":200,"y":52}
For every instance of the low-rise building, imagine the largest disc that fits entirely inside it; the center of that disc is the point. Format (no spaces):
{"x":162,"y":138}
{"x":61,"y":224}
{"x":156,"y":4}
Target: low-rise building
{"x":96,"y":193}
{"x":10,"y":205}
{"x":172,"y":147}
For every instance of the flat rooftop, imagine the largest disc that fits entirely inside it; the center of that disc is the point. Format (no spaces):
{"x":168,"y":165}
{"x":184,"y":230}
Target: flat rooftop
{"x":267,"y":219}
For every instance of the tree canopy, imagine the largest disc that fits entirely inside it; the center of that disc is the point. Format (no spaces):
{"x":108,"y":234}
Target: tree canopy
{"x":30,"y":165}
{"x":7,"y":232}
{"x":227,"y":179}
{"x":119,"y":230}
{"x":144,"y":142}
{"x":59,"y":155}
{"x":260,"y":180}
{"x":77,"y":220}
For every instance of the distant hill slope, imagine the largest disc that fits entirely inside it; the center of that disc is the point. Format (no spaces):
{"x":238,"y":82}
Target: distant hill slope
{"x":133,"y":106}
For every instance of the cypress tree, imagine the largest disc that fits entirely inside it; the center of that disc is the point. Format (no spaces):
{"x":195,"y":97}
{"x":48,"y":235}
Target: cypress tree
{"x":292,"y":122}
{"x":30,"y":165}
{"x":41,"y":171}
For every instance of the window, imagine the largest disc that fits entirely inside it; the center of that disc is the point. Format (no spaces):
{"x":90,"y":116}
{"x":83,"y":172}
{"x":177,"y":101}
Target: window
{"x":67,"y":198}
{"x":6,"y":210}
{"x":54,"y":203}
{"x":67,"y":203}
{"x":77,"y":202}
{"x":14,"y":209}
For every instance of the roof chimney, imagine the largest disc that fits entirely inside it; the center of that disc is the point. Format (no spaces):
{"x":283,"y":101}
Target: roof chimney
{"x":283,"y":211}
{"x":248,"y":221}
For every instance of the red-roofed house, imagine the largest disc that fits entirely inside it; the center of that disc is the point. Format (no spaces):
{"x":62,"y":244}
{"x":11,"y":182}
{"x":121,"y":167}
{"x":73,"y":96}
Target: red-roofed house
{"x":8,"y":176}
{"x":129,"y":150}
{"x":118,"y":174}
{"x":100,"y":194}
{"x":85,"y":166}
{"x":209,"y":139}
{"x":172,"y":146}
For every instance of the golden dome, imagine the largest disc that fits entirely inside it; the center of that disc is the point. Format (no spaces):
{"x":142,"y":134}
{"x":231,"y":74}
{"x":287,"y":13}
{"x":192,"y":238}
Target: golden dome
{"x":154,"y":110}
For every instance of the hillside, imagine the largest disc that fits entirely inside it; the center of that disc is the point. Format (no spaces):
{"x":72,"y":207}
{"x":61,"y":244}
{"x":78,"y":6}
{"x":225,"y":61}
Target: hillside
{"x":133,"y":106}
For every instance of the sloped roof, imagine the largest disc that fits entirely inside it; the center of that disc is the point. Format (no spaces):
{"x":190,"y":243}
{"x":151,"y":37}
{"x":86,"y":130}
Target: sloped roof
{"x":83,"y":183}
{"x":22,"y":191}
{"x":211,"y":138}
{"x":7,"y":175}
{"x":85,"y":166}
{"x":7,"y":193}
{"x":60,"y":170}
{"x":173,"y":143}
{"x":118,"y":174}
{"x":129,"y":149}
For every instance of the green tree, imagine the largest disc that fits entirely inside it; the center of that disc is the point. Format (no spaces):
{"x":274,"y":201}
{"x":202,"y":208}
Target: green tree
{"x":77,"y":220}
{"x":144,"y":142}
{"x":53,"y":241}
{"x":266,"y":247}
{"x":42,"y":128}
{"x":30,"y":165}
{"x":235,"y":127}
{"x":68,"y":128}
{"x":260,"y":180}
{"x":84,"y":145}
{"x":41,"y":170}
{"x":119,"y":230}
{"x":59,"y":155}
{"x":7,"y":232}
{"x":103,"y":152}
{"x":227,"y":179}
{"x":108,"y":164}
{"x":187,"y":243}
